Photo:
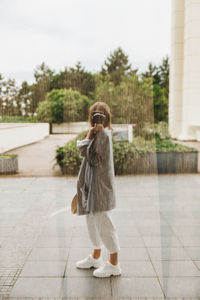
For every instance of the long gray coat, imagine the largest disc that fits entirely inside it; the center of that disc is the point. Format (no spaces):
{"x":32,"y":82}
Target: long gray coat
{"x":96,"y":178}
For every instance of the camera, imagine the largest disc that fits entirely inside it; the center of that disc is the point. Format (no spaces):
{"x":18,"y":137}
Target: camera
{"x":98,"y":117}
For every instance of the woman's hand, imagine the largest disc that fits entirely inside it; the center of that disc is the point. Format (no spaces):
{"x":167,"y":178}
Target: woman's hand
{"x":93,"y":130}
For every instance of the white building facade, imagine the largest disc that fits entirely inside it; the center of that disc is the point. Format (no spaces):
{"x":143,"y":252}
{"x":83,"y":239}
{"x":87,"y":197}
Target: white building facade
{"x":184,"y":83}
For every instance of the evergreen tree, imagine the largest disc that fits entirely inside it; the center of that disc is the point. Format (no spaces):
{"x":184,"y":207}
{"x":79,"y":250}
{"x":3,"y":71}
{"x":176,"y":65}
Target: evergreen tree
{"x":117,"y":66}
{"x":24,"y":99}
{"x":43,"y":76}
{"x":160,"y":81}
{"x":77,"y":79}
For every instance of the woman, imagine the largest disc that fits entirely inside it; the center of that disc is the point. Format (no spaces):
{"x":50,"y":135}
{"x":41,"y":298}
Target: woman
{"x":96,"y":191}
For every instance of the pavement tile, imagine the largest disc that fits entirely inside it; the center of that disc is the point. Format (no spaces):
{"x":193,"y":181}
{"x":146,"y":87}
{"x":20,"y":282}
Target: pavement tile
{"x":77,"y":253}
{"x":168,"y":253}
{"x":37,"y":287}
{"x":189,"y":241}
{"x":137,"y":269}
{"x":161,"y":241}
{"x":160,"y":230}
{"x":135,"y":241}
{"x":73,"y":271}
{"x":43,"y":269}
{"x":49,"y":254}
{"x":133,"y":253}
{"x":53,"y":242}
{"x":136,"y":287}
{"x":181,"y":286}
{"x":175,"y":268}
{"x":85,"y":287}
{"x":81,"y":242}
{"x":193,"y":252}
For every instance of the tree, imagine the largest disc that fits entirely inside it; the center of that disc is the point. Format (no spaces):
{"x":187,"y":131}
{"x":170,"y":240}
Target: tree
{"x":43,"y":76}
{"x":62,"y":105}
{"x":150,"y":72}
{"x":8,"y":95}
{"x":77,"y":79}
{"x":117,"y":66}
{"x":164,"y":75}
{"x":160,"y":104}
{"x":24,"y":99}
{"x":160,"y":82}
{"x":2,"y":82}
{"x":130,"y":101}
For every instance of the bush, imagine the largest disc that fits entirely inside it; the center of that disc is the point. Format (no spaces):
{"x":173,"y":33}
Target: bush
{"x":18,"y":119}
{"x":163,"y":129}
{"x":126,"y":155}
{"x":82,"y":135}
{"x":44,"y":112}
{"x":63,"y":106}
{"x":168,"y":145}
{"x":72,"y":159}
{"x":68,"y":156}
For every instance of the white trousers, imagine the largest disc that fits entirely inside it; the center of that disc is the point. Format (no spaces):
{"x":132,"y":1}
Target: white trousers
{"x":102,"y":230}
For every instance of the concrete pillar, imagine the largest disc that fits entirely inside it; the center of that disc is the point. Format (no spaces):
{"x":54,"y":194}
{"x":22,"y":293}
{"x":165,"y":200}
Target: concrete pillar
{"x":176,"y":68}
{"x":184,"y":98}
{"x":191,"y":74}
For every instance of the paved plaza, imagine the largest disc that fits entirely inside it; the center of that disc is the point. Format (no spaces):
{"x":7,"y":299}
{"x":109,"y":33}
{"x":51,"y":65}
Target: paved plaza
{"x":158,"y":222}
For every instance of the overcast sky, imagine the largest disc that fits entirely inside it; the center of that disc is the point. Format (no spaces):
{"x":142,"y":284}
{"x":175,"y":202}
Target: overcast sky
{"x":62,"y":32}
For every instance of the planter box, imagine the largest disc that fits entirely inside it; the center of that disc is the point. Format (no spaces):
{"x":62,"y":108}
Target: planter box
{"x":8,"y":164}
{"x":159,"y":162}
{"x":177,"y":162}
{"x":162,"y":162}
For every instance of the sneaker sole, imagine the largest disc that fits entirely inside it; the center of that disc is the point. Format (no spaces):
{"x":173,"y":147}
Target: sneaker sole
{"x":84,"y":267}
{"x":113,"y":274}
{"x":80,"y":267}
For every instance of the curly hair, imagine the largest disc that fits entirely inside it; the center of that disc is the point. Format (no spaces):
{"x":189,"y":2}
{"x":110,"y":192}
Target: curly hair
{"x":103,"y":107}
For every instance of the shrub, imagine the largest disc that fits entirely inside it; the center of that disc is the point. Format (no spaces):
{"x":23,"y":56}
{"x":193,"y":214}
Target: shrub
{"x":63,"y":106}
{"x":126,"y":155}
{"x":44,"y":112}
{"x":18,"y":119}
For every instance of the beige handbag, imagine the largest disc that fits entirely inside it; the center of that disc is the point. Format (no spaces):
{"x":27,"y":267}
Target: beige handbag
{"x":74,"y":204}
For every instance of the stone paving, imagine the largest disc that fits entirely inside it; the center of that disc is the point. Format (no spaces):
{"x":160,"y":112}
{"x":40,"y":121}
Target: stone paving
{"x":158,"y":222}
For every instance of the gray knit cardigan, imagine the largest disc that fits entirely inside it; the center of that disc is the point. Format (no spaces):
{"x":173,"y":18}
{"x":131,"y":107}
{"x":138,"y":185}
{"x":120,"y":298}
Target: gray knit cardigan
{"x":96,"y":177}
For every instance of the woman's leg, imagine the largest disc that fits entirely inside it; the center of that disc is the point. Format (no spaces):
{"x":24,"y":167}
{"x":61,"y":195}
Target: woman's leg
{"x":108,"y":234}
{"x":94,"y":234}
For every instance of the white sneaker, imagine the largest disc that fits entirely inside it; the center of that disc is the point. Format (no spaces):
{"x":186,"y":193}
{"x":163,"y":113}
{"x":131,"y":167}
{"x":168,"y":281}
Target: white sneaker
{"x":107,"y":270}
{"x":89,"y":262}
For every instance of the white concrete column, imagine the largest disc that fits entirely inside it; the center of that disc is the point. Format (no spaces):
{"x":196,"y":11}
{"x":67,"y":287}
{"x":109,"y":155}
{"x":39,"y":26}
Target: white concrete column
{"x":176,"y":67}
{"x":190,"y":128}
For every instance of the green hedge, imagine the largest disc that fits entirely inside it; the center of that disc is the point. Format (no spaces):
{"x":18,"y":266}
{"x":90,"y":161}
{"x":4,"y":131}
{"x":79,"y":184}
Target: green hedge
{"x":125,"y":154}
{"x":18,"y":119}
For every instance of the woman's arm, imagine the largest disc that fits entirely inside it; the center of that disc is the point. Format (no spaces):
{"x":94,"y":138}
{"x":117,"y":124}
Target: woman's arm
{"x":98,"y":151}
{"x":82,"y":144}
